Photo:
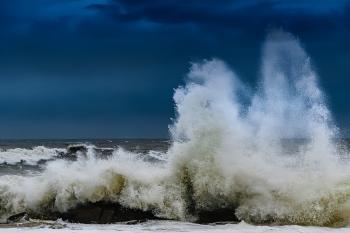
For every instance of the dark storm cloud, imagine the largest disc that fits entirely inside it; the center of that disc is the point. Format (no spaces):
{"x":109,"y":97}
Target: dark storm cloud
{"x":107,"y":68}
{"x":298,"y":15}
{"x":311,"y":15}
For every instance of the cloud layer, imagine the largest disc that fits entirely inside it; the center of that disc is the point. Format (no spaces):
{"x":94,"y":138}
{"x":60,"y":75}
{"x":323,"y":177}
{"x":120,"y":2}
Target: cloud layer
{"x":99,"y":68}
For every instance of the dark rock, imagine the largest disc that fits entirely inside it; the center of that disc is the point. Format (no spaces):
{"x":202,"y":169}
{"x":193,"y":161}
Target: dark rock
{"x":223,"y":223}
{"x":105,"y":212}
{"x":133,"y":222}
{"x":102,"y":212}
{"x":123,"y":214}
{"x":106,"y":216}
{"x":84,"y":214}
{"x":217,"y":215}
{"x":203,"y":216}
{"x":18,"y":217}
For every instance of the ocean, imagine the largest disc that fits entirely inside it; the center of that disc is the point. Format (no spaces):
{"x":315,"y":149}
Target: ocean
{"x":239,"y":159}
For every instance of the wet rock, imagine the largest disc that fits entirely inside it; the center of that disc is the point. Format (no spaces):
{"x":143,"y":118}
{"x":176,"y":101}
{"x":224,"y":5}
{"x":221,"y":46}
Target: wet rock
{"x":133,"y":222}
{"x":18,"y":217}
{"x":123,"y":214}
{"x":84,"y":214}
{"x":102,"y":212}
{"x":222,"y":223}
{"x":106,"y":215}
{"x":217,"y":216}
{"x":105,"y":212}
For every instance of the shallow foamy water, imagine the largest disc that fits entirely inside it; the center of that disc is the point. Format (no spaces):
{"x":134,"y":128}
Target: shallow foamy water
{"x":169,"y":226}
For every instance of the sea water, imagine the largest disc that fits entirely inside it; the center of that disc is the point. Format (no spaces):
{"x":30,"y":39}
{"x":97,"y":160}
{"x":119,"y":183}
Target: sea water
{"x":271,"y":153}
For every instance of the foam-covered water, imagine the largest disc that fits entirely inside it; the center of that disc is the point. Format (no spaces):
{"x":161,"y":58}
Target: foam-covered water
{"x":223,"y":153}
{"x":28,"y":156}
{"x":168,"y":226}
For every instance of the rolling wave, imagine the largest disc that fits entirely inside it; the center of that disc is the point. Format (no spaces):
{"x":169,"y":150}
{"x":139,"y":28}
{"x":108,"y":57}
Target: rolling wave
{"x":29,"y":156}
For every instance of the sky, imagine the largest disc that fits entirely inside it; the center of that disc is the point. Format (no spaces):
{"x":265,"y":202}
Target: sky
{"x":108,"y":68}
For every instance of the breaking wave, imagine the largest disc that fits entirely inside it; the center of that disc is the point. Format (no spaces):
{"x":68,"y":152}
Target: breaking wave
{"x":270,"y":161}
{"x":29,"y":156}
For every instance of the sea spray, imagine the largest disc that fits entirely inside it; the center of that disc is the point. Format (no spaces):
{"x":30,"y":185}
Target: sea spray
{"x":224,"y":154}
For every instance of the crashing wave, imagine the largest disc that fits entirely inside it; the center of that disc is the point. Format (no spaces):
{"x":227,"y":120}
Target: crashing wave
{"x":28,"y":156}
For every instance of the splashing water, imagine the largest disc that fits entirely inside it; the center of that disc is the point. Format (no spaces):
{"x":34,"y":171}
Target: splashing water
{"x":224,"y":154}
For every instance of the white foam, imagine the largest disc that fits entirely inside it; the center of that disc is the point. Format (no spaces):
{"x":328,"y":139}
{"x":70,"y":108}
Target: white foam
{"x":28,"y":156}
{"x":171,"y":226}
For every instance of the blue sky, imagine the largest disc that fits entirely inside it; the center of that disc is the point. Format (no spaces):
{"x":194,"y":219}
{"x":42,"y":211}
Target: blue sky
{"x":107,"y":68}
